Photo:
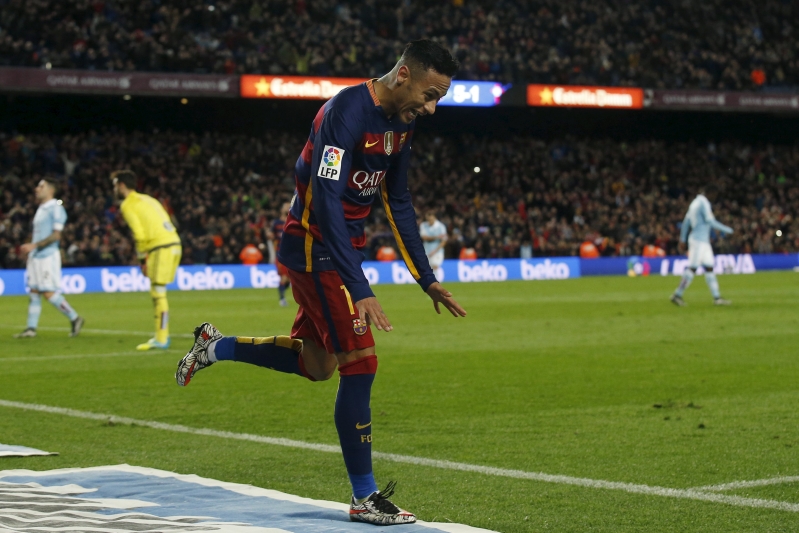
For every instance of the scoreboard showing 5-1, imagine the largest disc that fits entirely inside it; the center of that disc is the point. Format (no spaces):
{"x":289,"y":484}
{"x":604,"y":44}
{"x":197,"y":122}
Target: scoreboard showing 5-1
{"x":474,"y":93}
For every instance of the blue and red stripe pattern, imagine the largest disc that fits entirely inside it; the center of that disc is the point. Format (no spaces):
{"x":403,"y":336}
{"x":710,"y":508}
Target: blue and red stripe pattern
{"x":354,"y":154}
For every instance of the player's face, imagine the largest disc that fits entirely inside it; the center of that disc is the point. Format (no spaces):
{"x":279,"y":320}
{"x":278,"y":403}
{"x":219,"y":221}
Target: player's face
{"x":431,"y":218}
{"x":43,"y":191}
{"x":420,"y":92}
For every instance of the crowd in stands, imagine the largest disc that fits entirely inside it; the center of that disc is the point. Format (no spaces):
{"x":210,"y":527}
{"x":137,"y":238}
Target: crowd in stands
{"x":500,"y":198}
{"x":724,"y":44}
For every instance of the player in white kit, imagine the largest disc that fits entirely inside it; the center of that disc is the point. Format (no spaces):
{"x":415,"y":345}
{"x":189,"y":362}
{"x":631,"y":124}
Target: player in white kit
{"x":44,"y":261}
{"x":698,"y":222}
{"x":434,"y":237}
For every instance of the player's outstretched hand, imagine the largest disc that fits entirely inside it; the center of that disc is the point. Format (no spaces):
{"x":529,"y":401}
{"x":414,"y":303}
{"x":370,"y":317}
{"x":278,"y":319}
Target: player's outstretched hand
{"x":27,"y":248}
{"x":442,"y":296}
{"x":372,"y":313}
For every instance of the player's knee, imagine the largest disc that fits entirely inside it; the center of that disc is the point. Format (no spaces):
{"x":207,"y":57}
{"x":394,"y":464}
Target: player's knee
{"x":326,"y":370}
{"x":157,"y":291}
{"x":315,"y":362}
{"x":358,"y":362}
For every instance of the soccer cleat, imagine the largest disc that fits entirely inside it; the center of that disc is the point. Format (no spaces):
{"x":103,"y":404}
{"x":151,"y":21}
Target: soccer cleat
{"x":283,"y":302}
{"x":678,"y":301}
{"x":26,"y":334}
{"x":153,"y":344}
{"x":197,"y":358}
{"x":377,"y":509}
{"x":77,"y":325}
{"x":721,"y":301}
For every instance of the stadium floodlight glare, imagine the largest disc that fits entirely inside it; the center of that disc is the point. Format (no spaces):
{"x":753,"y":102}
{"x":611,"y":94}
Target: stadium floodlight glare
{"x":476,"y":170}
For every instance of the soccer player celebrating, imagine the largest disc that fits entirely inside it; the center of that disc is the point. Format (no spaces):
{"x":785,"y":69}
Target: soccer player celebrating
{"x":698,"y":222}
{"x":157,"y":246}
{"x":44,"y":260}
{"x":358,"y":150}
{"x":434,"y":235}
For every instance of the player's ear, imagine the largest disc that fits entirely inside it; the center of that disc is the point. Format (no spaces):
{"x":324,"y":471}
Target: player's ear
{"x":403,"y":74}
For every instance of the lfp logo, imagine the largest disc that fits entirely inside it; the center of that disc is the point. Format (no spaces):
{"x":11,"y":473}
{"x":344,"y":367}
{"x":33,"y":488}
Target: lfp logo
{"x":330,"y":168}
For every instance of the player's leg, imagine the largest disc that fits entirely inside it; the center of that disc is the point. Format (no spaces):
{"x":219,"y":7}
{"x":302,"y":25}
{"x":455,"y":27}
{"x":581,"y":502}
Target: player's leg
{"x":283,"y":285}
{"x":49,"y":287}
{"x":302,"y":353}
{"x":708,"y":262}
{"x":338,"y":323}
{"x":34,"y":311}
{"x":34,"y":301}
{"x":694,"y":260}
{"x":161,"y":267}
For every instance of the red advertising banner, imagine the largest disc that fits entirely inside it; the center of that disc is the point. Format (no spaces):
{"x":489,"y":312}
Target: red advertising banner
{"x":580,"y":96}
{"x":294,"y":87}
{"x":97,"y":82}
{"x":721,"y":101}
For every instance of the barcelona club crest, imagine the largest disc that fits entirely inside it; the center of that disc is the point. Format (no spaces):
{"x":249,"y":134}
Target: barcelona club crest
{"x":359,"y":326}
{"x":388,"y":142}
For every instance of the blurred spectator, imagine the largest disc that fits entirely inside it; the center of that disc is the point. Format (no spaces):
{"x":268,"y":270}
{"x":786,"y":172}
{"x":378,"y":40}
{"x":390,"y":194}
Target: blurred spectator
{"x":386,"y":253}
{"x":251,"y":255}
{"x":588,"y":250}
{"x":730,"y":44}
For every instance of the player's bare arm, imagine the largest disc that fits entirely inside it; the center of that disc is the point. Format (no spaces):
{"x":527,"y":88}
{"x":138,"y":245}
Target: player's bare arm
{"x":29,"y":247}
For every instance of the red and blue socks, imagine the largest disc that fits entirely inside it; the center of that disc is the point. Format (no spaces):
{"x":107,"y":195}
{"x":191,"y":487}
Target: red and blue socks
{"x":354,"y":423}
{"x":280,"y":353}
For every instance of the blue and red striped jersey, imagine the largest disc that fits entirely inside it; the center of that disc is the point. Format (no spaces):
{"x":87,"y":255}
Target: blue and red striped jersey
{"x":354,"y":154}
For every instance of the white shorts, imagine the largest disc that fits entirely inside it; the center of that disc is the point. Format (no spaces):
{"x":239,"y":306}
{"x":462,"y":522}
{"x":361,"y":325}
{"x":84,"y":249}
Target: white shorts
{"x":44,"y":274}
{"x":700,"y":254}
{"x":436,"y":260}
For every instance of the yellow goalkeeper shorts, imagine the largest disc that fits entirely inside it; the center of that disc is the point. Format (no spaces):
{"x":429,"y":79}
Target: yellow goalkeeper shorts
{"x":162,"y":264}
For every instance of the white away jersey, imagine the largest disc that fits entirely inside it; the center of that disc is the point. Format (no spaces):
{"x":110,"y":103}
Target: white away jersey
{"x":437,"y":229}
{"x":50,"y":216}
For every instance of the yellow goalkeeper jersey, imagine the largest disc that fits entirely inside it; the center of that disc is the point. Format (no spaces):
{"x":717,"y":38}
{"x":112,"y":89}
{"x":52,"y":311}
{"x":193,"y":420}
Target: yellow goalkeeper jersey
{"x":149,"y":222}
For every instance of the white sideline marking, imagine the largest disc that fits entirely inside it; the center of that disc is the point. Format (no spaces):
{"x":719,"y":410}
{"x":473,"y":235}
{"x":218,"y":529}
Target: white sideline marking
{"x":100,"y":331}
{"x":84,"y":356}
{"x":688,"y":494}
{"x":755,"y":483}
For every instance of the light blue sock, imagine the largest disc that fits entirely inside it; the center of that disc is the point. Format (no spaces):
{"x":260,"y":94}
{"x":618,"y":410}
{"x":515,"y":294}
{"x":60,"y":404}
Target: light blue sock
{"x":713,"y":284}
{"x":34,"y":310}
{"x":687,"y":278}
{"x":60,"y":303}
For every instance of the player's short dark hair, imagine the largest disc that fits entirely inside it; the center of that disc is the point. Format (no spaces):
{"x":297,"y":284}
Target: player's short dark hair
{"x":52,"y":182}
{"x":425,"y":54}
{"x":128,"y":177}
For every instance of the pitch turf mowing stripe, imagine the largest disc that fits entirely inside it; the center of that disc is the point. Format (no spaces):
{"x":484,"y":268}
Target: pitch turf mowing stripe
{"x":689,"y":494}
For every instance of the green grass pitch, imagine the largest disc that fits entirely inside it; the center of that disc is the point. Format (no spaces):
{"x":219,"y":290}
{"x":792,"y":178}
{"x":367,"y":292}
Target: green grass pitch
{"x":599,"y":378}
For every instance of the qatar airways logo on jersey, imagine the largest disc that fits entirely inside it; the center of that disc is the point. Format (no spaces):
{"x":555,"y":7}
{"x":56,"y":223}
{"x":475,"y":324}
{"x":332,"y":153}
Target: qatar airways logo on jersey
{"x":367,"y":183}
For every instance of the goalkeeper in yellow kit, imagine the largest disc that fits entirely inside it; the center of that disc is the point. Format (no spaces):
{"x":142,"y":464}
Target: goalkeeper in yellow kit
{"x":157,"y":245}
